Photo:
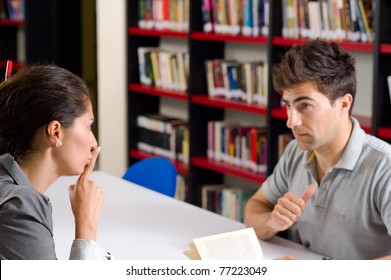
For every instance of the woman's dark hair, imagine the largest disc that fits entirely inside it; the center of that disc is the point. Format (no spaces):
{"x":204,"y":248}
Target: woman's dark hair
{"x":326,"y":64}
{"x":32,"y":98}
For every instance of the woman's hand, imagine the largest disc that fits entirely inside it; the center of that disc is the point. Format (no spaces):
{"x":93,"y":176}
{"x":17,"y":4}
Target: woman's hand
{"x":86,"y":201}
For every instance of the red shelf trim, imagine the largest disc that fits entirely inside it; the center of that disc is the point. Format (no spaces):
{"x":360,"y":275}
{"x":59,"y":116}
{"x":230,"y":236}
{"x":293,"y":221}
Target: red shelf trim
{"x":9,"y":22}
{"x":179,"y":166}
{"x":279,"y":113}
{"x":385,"y":48}
{"x":384,"y":132}
{"x":228,"y":38}
{"x":225,"y":168}
{"x":157,"y":91}
{"x":15,"y":65}
{"x":230,"y":104}
{"x":349,"y":46}
{"x":156,"y":33}
{"x":365,"y":122}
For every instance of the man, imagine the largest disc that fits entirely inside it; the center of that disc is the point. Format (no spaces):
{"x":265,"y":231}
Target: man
{"x":332,"y":185}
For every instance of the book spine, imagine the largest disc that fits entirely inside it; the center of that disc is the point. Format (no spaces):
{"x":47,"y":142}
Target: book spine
{"x":206,"y":9}
{"x":247,"y":28}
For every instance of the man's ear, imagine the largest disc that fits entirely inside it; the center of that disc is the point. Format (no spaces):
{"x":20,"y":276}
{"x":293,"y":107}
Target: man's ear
{"x":54,"y":131}
{"x":346,"y":102}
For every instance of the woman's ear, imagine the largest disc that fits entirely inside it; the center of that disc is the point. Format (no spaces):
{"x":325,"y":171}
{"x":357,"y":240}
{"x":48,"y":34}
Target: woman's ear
{"x":54,"y":131}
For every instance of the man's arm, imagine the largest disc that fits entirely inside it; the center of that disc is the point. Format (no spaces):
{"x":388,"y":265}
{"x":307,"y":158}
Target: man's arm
{"x":257,"y":214}
{"x":268,"y":219}
{"x":384,"y":258}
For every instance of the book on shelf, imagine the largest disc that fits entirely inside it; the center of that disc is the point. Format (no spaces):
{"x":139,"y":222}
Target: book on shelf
{"x":264,"y":18}
{"x":353,"y":27}
{"x":164,"y":14}
{"x":219,"y":89}
{"x":242,"y":81}
{"x":145,"y":14}
{"x":246,"y":17}
{"x":315,"y":19}
{"x":242,"y":146}
{"x":338,"y":20}
{"x":226,"y":200}
{"x":365,"y":22}
{"x":228,"y":80}
{"x":145,"y":65}
{"x":182,"y":187}
{"x":283,"y":140}
{"x":12,"y":10}
{"x":247,"y":23}
{"x":163,"y":136}
{"x":163,"y":69}
{"x":240,"y":244}
{"x":207,"y":15}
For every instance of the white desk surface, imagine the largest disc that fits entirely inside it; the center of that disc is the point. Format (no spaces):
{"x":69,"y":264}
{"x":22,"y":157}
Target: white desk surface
{"x":140,"y":224}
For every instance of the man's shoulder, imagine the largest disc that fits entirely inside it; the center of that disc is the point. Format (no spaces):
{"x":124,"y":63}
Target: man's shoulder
{"x":377,"y":146}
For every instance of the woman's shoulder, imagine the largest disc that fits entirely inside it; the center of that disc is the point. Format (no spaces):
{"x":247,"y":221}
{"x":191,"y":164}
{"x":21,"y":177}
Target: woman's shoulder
{"x":21,"y":197}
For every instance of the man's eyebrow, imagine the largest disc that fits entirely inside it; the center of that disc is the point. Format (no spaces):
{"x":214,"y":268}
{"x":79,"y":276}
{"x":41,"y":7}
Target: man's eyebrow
{"x":298,"y":99}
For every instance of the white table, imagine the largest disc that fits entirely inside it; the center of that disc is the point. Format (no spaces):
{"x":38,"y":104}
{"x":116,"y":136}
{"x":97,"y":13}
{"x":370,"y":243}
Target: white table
{"x":140,"y":224}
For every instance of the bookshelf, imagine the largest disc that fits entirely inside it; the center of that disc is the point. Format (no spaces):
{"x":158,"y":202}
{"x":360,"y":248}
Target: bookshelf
{"x":201,"y":108}
{"x":61,"y":43}
{"x":11,"y":43}
{"x":145,"y":99}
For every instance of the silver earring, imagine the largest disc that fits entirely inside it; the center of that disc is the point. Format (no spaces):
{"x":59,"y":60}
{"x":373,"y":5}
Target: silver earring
{"x":58,"y":143}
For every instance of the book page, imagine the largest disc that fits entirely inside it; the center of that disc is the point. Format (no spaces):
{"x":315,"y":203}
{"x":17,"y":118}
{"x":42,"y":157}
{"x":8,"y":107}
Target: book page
{"x":235,"y":245}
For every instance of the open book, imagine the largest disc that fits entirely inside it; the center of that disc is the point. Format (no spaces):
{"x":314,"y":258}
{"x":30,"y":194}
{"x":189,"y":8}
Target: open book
{"x":235,"y":245}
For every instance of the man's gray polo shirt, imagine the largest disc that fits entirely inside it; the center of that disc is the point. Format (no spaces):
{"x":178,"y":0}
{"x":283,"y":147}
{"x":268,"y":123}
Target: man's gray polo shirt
{"x":349,"y":216}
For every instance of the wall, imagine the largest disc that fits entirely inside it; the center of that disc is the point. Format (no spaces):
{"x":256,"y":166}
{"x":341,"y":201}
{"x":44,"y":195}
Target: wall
{"x":112,"y":85}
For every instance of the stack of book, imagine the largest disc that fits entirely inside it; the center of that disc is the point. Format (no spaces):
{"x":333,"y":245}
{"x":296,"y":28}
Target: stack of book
{"x":246,"y":17}
{"x":224,"y":200}
{"x":164,"y":14}
{"x":338,"y":20}
{"x":243,"y":146}
{"x":243,"y":81}
{"x":163,"y":136}
{"x":163,"y":69}
{"x":12,"y":9}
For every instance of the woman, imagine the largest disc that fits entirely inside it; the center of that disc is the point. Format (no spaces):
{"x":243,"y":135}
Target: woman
{"x":45,"y":132}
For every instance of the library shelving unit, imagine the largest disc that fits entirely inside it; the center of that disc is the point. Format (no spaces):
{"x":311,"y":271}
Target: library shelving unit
{"x":146,"y":99}
{"x":9,"y":42}
{"x":202,"y":108}
{"x":381,"y":110}
{"x":53,"y":33}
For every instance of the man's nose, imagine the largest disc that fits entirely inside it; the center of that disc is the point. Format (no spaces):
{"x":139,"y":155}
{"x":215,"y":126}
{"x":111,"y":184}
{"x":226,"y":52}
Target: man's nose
{"x":294,"y":119}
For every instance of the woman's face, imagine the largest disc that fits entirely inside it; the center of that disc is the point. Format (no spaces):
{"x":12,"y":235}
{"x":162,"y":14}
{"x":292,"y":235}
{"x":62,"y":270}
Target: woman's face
{"x":77,"y":144}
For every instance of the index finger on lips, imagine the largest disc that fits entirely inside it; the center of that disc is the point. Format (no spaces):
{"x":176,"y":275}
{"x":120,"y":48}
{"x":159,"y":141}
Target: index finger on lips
{"x":90,"y":166}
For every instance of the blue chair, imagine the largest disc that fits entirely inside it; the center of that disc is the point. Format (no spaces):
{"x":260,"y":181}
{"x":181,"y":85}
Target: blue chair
{"x":158,"y":174}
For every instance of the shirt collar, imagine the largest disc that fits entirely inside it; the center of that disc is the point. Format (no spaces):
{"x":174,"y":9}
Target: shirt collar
{"x":354,"y":147}
{"x":352,"y":151}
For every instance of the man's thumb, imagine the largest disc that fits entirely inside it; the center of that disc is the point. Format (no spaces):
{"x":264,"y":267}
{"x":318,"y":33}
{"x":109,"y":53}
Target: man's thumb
{"x":309,"y":192}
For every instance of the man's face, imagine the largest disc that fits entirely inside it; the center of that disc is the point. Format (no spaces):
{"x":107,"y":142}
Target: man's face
{"x":313,"y":119}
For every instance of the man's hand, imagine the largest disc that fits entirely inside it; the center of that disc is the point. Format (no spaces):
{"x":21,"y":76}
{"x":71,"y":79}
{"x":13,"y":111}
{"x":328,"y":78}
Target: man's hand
{"x":289,"y":208}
